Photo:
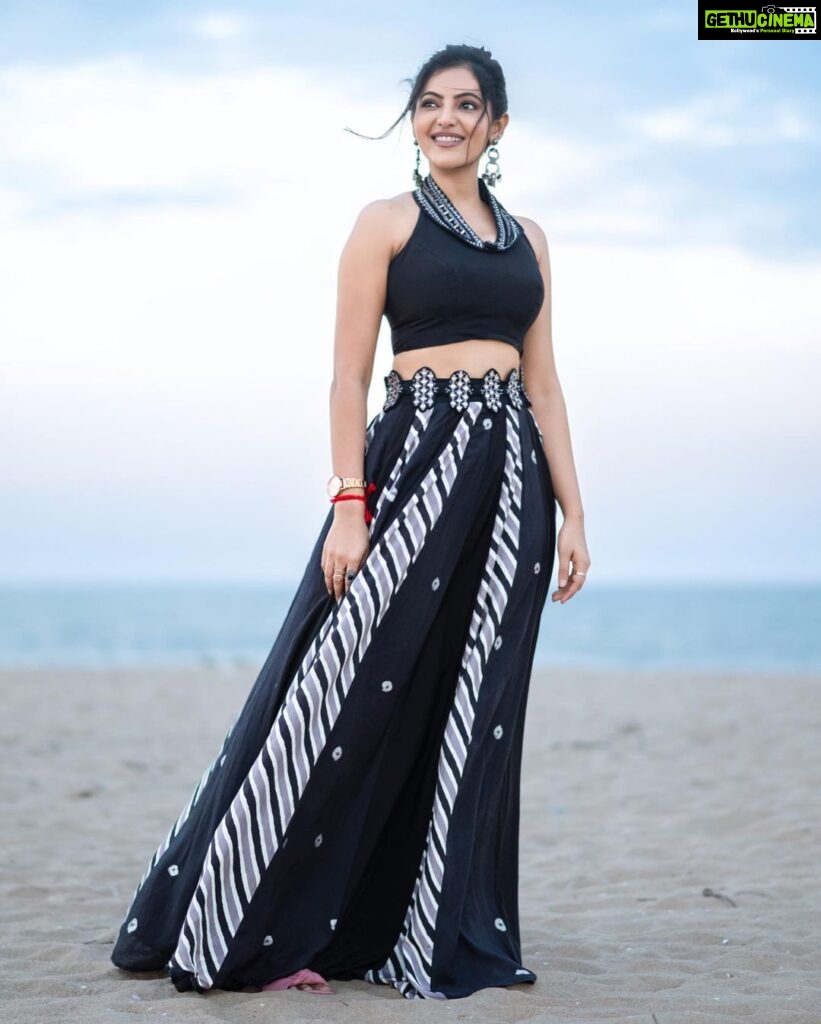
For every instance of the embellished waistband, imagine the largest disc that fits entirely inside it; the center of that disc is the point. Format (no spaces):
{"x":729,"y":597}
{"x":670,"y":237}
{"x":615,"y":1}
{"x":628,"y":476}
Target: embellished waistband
{"x":424,"y":388}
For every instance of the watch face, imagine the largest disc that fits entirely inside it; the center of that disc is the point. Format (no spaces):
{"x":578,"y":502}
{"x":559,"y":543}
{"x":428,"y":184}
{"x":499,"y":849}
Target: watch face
{"x":334,"y":485}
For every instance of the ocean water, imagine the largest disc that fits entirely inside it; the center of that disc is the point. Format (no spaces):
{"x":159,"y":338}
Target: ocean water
{"x":740,"y":627}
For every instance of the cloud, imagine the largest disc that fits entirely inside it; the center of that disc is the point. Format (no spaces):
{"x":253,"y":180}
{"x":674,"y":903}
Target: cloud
{"x":117,"y":133}
{"x":736,"y":115}
{"x":663,"y":19}
{"x":220,"y":25}
{"x":169,"y":258}
{"x":119,"y":125}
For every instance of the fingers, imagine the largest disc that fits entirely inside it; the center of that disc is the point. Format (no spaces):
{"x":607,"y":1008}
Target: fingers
{"x":564,"y":568}
{"x":352,"y":569}
{"x":328,"y":571}
{"x":335,"y":570}
{"x":571,"y":581}
{"x":335,"y":578}
{"x":573,"y":586}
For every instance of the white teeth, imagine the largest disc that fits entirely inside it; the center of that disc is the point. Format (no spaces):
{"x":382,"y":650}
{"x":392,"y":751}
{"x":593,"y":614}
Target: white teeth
{"x":448,"y":138}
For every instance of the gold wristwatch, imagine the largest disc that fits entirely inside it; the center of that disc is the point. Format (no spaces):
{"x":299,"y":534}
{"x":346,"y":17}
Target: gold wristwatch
{"x":341,"y":483}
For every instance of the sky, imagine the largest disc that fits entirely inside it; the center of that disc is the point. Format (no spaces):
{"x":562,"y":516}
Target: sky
{"x":176,"y":185}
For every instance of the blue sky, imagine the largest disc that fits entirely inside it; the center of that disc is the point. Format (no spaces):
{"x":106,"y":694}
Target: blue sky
{"x":175,"y":187}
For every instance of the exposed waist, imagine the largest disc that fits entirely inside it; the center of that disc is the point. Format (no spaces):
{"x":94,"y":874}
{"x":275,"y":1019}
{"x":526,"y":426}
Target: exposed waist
{"x":425,"y":389}
{"x":446,"y":350}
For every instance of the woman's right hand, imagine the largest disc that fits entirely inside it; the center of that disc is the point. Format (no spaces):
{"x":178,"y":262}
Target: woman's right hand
{"x":346,"y":545}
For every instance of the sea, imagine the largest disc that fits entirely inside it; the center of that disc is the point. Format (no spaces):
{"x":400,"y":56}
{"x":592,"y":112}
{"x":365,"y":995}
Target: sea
{"x":698,"y":627}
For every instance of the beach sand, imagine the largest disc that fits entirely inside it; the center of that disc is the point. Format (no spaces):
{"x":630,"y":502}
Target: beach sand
{"x":669,"y":866}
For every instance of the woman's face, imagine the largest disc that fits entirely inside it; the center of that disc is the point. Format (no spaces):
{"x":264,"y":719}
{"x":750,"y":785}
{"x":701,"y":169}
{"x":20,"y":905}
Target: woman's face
{"x":451,"y":104}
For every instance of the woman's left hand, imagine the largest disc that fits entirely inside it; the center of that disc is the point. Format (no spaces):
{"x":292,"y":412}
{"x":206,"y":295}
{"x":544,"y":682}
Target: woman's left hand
{"x":571,"y":547}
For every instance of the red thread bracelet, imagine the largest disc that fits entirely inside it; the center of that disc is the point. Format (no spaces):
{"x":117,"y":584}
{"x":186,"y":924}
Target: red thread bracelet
{"x":359,"y":497}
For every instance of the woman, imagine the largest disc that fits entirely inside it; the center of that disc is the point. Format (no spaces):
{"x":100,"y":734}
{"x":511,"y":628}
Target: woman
{"x":361,"y":817}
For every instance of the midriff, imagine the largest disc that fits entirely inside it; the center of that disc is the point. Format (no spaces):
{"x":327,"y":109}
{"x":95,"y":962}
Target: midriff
{"x":476,"y":355}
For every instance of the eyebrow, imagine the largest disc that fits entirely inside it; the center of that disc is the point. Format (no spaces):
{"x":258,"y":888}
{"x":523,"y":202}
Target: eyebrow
{"x":430,"y":92}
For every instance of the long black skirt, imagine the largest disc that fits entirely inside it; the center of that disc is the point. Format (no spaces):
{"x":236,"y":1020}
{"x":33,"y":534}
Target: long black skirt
{"x":361,"y":816}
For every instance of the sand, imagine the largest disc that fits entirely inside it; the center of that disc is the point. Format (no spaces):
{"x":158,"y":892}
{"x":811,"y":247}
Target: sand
{"x":669,"y":849}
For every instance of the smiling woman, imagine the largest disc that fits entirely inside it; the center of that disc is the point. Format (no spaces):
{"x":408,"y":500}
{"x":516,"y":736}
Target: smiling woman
{"x":360,"y":819}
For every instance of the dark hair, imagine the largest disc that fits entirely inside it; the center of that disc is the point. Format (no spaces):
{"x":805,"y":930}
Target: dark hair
{"x":488,"y":73}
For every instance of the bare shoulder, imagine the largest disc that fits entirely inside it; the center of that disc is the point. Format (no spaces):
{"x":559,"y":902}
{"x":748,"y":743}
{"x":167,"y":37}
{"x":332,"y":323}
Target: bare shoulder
{"x":387,"y":223}
{"x":536,"y":236}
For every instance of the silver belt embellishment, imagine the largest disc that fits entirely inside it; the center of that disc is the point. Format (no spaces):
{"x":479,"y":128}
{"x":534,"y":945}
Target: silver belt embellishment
{"x":460,"y":389}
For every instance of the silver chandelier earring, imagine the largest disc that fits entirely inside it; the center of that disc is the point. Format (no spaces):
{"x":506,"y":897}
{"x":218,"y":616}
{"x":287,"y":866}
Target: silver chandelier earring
{"x":492,"y":176}
{"x":417,"y":177}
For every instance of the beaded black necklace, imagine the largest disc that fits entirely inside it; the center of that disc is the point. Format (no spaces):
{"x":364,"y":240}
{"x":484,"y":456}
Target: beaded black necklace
{"x":436,"y":204}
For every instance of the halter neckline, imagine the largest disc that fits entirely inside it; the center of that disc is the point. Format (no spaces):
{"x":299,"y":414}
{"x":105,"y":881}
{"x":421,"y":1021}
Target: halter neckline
{"x":438,"y":206}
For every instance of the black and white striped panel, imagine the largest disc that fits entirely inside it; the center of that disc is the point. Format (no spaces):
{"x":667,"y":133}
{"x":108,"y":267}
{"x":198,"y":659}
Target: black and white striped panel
{"x":198,"y":789}
{"x":235,"y":861}
{"x":409,"y":967}
{"x":200,"y":786}
{"x":415,"y":431}
{"x":411,"y":441}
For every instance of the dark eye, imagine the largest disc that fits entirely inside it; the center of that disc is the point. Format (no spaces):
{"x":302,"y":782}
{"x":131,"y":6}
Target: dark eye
{"x":473,"y":104}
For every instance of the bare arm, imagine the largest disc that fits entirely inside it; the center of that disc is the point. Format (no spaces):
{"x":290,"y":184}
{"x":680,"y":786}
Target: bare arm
{"x":542,"y":385}
{"x":360,"y":304}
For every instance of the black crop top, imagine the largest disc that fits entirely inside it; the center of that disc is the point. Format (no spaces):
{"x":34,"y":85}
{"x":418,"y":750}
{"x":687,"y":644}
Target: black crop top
{"x":447,"y":284}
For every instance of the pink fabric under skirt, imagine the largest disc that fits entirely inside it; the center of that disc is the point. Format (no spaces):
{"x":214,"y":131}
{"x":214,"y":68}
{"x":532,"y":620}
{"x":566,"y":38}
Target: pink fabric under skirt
{"x":302,"y":977}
